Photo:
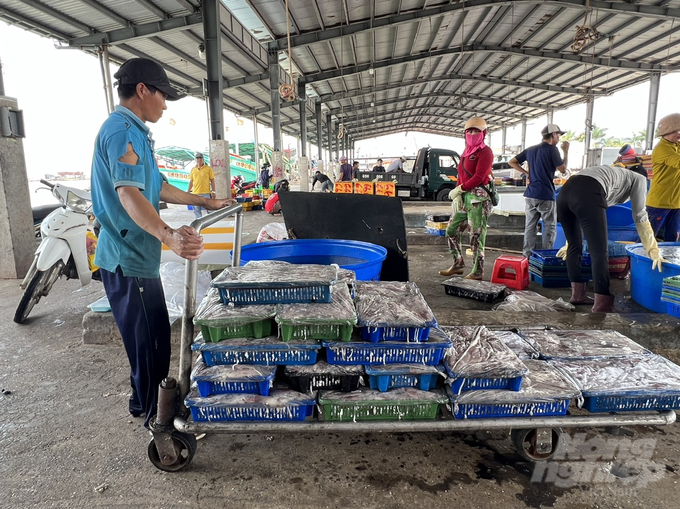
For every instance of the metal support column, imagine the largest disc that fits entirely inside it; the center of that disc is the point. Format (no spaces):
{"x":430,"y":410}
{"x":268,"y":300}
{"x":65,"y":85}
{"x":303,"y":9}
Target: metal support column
{"x":106,"y":77}
{"x":319,"y":129}
{"x":275,"y":97}
{"x":213,"y":57}
{"x":336,"y":142}
{"x":329,"y":134}
{"x":524,"y":133}
{"x":2,"y":83}
{"x":302,"y":98}
{"x":654,"y":82}
{"x":550,"y":116}
{"x":504,"y":138}
{"x":257,"y":144}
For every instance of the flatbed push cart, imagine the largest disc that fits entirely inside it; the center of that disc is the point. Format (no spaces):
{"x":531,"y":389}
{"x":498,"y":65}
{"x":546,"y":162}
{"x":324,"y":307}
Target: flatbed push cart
{"x":173,"y":445}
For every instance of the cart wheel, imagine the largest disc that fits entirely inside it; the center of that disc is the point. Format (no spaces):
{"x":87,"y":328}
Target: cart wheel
{"x":525,"y":441}
{"x":186,"y":448}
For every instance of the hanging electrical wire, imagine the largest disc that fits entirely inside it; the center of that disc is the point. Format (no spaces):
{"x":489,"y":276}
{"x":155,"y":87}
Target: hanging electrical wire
{"x":287,"y":91}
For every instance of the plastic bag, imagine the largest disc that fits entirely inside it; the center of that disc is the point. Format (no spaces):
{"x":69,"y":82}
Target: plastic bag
{"x":339,"y":311}
{"x":272,"y":231}
{"x":262,"y":275}
{"x":213,"y":313}
{"x":233,"y":372}
{"x":532,"y":301}
{"x":579,"y":344}
{"x":172,"y":279}
{"x":323,"y":368}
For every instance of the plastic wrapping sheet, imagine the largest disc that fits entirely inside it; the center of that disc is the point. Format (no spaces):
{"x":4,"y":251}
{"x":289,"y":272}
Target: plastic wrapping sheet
{"x":669,"y":253}
{"x":404,"y":394}
{"x":523,"y":349}
{"x":172,"y":279}
{"x":392,"y":304}
{"x":230,"y":373}
{"x":270,"y":342}
{"x":261,"y":275}
{"x":478,"y":353}
{"x":323,"y":368}
{"x":579,"y":344}
{"x":349,"y":277}
{"x":276,"y":399}
{"x":212,"y":312}
{"x":532,"y":301}
{"x":649,"y":374}
{"x":339,"y":311}
{"x":470,"y":289}
{"x":543,"y":383}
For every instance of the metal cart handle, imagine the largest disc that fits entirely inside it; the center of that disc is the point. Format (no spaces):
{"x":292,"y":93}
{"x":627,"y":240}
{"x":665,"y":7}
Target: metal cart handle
{"x":190,"y":281}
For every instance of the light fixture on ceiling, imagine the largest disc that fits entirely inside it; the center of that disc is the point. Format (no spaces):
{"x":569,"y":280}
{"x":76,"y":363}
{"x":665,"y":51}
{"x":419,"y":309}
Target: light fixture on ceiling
{"x":371,"y":71}
{"x":372,"y":104}
{"x":201,"y":51}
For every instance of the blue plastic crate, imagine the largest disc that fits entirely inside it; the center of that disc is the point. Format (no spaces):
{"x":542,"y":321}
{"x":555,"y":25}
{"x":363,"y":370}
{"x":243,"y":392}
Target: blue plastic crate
{"x":674,"y":310}
{"x":631,"y":403}
{"x":274,"y":353}
{"x":232,"y":407}
{"x":375,"y":334}
{"x":282,"y":295}
{"x":383,"y":380}
{"x":479,"y":411}
{"x":547,"y":282}
{"x":430,"y":353}
{"x":549,"y":257}
{"x":477,"y":384}
{"x":434,"y":231}
{"x":239,"y":379}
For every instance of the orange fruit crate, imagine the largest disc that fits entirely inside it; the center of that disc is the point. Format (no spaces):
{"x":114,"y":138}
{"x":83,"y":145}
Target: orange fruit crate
{"x":385,"y":189}
{"x":344,"y":187}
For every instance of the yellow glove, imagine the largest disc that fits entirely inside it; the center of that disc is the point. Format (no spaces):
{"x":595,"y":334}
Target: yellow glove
{"x":456,"y":196}
{"x":562,"y":252}
{"x":649,"y":242}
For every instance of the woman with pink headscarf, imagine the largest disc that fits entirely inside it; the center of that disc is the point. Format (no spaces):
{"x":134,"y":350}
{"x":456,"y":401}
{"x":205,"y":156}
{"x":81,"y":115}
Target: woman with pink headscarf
{"x":471,"y":203}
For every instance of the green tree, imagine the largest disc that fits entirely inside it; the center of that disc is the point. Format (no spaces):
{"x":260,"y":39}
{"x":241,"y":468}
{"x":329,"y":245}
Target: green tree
{"x":569,"y":136}
{"x":639,"y":138}
{"x":598,"y":136}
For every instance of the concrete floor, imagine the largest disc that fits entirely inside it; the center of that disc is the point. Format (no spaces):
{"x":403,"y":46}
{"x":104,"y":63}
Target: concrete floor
{"x":68,"y":441}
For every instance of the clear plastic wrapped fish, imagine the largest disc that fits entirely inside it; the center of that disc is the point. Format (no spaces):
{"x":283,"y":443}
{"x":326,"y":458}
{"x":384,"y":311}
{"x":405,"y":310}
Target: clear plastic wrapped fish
{"x":545,"y":391}
{"x":235,"y":378}
{"x":580,"y":344}
{"x":389,"y":376}
{"x":334,"y":320}
{"x":322,"y":375}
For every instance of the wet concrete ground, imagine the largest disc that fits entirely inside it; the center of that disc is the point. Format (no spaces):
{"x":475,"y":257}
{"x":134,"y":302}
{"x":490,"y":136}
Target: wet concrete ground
{"x":66,"y":439}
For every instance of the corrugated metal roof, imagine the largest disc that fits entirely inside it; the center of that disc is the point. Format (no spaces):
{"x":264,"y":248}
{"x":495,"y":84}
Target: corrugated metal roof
{"x":387,"y":65}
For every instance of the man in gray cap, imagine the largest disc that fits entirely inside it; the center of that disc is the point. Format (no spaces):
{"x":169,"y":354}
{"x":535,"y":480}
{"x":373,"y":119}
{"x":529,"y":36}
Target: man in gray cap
{"x":543,"y":159}
{"x":126,"y":190}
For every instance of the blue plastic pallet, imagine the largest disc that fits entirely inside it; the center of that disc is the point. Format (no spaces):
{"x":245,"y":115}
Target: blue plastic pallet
{"x":479,"y":411}
{"x":476,"y":384}
{"x":383,"y":382}
{"x":429,"y":353}
{"x":375,"y":334}
{"x":632,"y":403}
{"x":282,"y":295}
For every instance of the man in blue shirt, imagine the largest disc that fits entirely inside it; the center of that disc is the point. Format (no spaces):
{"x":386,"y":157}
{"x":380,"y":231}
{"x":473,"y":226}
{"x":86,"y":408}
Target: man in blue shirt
{"x":543,"y":159}
{"x":126,"y":190}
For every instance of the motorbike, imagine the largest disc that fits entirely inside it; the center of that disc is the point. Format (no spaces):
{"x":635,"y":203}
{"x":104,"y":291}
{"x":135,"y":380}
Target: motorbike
{"x":240,"y":186}
{"x":63,"y":248}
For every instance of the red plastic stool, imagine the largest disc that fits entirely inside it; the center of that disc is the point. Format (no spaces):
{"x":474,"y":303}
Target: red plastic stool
{"x":511,"y":271}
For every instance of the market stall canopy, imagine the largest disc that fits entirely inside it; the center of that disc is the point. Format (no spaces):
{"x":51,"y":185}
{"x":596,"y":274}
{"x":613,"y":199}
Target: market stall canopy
{"x":387,"y":66}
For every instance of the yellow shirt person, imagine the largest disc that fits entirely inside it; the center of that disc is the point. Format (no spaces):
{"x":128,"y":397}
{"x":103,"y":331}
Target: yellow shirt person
{"x":201,"y":182}
{"x":663,"y":200}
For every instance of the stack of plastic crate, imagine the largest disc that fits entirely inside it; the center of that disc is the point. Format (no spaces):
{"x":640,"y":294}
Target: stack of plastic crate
{"x":436,"y":224}
{"x":488,"y":379}
{"x":236,"y":320}
{"x":670,"y":293}
{"x":613,"y":372}
{"x":550,"y":271}
{"x":401,"y":354}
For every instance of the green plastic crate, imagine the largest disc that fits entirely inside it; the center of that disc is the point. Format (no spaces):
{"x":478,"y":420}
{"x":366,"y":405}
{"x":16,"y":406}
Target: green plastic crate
{"x":259,"y":329}
{"x":331,"y":332}
{"x":379,"y":409}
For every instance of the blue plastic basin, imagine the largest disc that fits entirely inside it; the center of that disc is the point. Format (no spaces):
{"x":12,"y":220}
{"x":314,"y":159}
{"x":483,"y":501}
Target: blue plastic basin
{"x":364,"y":258}
{"x":645,"y":283}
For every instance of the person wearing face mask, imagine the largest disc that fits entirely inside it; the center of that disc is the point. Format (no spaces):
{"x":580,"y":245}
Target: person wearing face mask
{"x":471,"y":203}
{"x":539,"y":198}
{"x":663,"y":201}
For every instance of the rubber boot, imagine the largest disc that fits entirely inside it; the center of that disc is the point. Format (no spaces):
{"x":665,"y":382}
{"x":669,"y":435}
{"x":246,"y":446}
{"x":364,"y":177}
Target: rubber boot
{"x":452,"y":270}
{"x":475,"y":277}
{"x":603,"y":303}
{"x":578,"y":294}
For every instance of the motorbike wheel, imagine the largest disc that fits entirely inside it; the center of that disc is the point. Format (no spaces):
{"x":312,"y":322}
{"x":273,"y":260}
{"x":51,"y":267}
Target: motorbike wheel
{"x":40,"y":286}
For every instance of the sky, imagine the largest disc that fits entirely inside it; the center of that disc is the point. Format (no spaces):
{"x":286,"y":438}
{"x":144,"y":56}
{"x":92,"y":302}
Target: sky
{"x":61,"y":94}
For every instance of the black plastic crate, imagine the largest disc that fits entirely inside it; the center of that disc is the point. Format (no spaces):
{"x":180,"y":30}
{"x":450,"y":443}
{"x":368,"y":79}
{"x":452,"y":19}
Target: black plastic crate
{"x":439,"y":218}
{"x":477,"y":290}
{"x":322,"y":375}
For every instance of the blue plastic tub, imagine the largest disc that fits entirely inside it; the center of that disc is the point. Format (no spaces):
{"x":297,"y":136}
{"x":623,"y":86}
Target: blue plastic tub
{"x":619,"y":216}
{"x":364,"y":258}
{"x":645,"y":283}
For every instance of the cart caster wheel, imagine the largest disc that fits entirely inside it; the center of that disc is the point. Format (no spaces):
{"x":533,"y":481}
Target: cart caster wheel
{"x":185,"y":445}
{"x":528,"y":445}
